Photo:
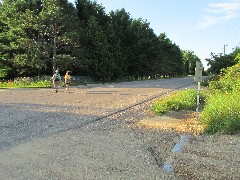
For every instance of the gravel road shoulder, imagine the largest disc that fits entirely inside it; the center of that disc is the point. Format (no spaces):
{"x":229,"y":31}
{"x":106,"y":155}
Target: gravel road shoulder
{"x":107,"y":149}
{"x":115,"y":148}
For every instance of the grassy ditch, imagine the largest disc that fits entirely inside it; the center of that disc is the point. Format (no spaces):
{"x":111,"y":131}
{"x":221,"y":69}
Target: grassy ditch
{"x":220,"y":112}
{"x":181,"y":100}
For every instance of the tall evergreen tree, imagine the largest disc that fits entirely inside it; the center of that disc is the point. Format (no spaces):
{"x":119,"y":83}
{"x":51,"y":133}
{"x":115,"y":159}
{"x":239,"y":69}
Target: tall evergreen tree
{"x":189,"y":59}
{"x":144,"y":49}
{"x":19,"y":20}
{"x":103,"y":58}
{"x":87,"y":8}
{"x":36,"y":31}
{"x":172,"y":62}
{"x":60,"y":23}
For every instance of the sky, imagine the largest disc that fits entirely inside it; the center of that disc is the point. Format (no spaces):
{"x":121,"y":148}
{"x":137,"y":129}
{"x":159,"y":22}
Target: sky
{"x":201,"y":26}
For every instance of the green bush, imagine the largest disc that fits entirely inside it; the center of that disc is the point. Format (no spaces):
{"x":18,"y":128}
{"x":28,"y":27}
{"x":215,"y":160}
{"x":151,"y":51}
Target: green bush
{"x":229,"y":80}
{"x":26,"y":82}
{"x":3,"y":72}
{"x":205,"y":82}
{"x":221,"y":113}
{"x":42,"y":81}
{"x":186,"y":99}
{"x":7,"y":84}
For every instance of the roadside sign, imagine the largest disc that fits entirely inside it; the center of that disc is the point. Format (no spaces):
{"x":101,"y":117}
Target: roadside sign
{"x":198,"y":72}
{"x":198,"y":79}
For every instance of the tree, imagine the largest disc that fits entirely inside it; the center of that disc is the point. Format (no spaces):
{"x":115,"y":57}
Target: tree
{"x":101,"y":57}
{"x":218,"y":62}
{"x":138,"y":43}
{"x":144,"y":49}
{"x":189,"y":59}
{"x":171,"y":60}
{"x":35,"y":32}
{"x":60,"y":23}
{"x":86,"y":9}
{"x":236,"y":54}
{"x":18,"y":18}
{"x":121,"y":22}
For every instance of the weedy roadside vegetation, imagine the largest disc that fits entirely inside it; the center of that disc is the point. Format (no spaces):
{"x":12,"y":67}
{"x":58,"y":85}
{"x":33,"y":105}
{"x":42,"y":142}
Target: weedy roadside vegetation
{"x":180,"y":100}
{"x":220,"y":107}
{"x":222,"y":110}
{"x":41,"y":82}
{"x":26,"y":82}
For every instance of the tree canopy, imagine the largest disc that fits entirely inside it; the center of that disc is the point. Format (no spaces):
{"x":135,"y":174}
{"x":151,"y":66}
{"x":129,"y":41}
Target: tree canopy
{"x":219,"y":62}
{"x":37,"y":35}
{"x":189,"y":59}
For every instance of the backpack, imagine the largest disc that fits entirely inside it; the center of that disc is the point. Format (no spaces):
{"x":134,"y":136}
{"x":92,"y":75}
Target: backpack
{"x":56,"y":77}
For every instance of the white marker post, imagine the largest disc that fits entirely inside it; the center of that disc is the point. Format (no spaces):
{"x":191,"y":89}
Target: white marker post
{"x":198,"y":79}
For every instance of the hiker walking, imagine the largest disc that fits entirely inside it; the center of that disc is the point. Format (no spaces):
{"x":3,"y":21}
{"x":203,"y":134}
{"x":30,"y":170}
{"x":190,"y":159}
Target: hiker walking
{"x":67,"y":79}
{"x":56,"y":79}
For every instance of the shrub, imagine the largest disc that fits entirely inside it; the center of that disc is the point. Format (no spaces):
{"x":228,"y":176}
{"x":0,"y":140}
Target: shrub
{"x":222,"y":113}
{"x":186,"y":99}
{"x":3,"y":72}
{"x":7,"y":84}
{"x":26,"y":82}
{"x":205,"y":82}
{"x":229,"y":80}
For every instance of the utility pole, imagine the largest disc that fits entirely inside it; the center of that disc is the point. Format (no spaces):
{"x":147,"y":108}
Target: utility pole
{"x":224,"y":49}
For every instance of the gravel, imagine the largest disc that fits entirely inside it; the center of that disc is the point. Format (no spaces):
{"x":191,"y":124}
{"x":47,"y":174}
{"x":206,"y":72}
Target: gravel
{"x":77,"y":134}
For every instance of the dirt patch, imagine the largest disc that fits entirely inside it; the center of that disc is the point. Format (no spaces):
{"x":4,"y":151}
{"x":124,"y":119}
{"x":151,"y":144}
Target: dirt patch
{"x":181,"y":121}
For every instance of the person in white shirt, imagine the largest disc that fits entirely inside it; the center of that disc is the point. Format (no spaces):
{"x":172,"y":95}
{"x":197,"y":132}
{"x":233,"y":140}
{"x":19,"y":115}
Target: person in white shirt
{"x":56,"y":78}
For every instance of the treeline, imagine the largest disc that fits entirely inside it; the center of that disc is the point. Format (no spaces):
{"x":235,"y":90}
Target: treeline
{"x":37,"y":35}
{"x":218,"y":62}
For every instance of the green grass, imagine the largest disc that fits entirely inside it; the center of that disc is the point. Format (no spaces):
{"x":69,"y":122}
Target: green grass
{"x":25,"y":84}
{"x":181,"y":100}
{"x":222,"y":113}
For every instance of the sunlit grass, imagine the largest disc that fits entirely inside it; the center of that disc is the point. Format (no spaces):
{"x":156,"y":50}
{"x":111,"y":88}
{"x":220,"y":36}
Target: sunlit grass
{"x":25,"y":82}
{"x":181,"y":100}
{"x":222,"y":113}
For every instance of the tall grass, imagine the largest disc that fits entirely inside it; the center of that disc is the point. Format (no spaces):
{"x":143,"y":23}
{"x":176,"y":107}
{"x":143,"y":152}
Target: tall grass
{"x":26,"y":82}
{"x":18,"y":84}
{"x":222,"y":113}
{"x":42,"y":81}
{"x":181,"y":100}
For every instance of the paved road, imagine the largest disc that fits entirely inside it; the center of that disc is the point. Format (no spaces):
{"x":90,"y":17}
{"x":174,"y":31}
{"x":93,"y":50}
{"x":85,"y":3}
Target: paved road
{"x":31,"y":113}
